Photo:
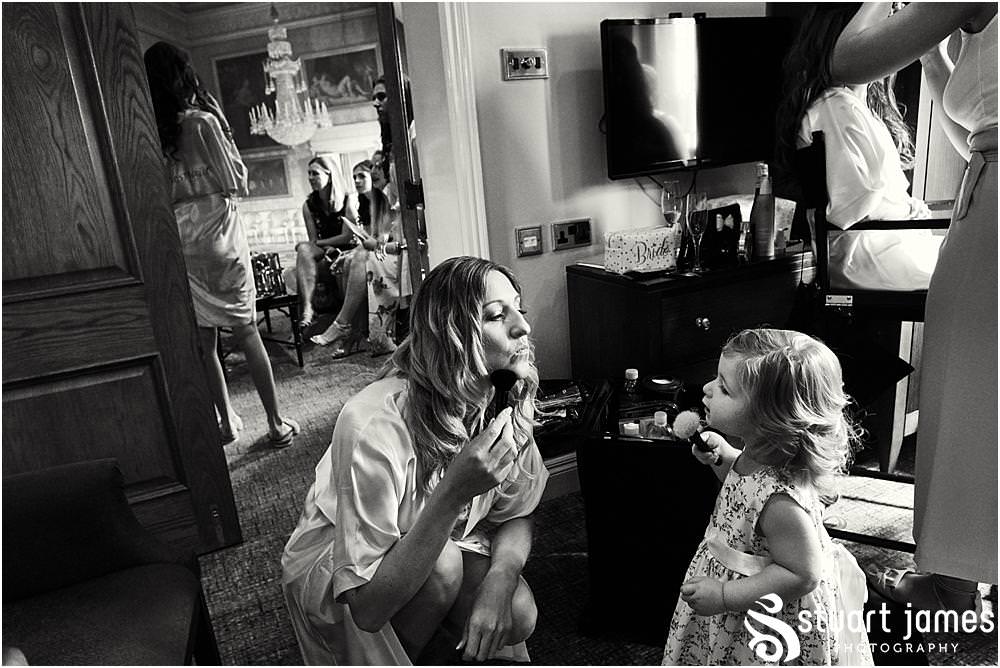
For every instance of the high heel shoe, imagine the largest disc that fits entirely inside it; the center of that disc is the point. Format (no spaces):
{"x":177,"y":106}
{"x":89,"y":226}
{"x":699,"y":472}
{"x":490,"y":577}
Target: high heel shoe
{"x":343,"y":338}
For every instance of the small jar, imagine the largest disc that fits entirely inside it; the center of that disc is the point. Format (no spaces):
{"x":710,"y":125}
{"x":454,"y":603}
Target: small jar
{"x":631,"y":381}
{"x":631,"y":429}
{"x":658,"y":429}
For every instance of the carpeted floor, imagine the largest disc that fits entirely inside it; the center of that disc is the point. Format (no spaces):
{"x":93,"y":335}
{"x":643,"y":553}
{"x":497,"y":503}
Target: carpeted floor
{"x":242,"y":583}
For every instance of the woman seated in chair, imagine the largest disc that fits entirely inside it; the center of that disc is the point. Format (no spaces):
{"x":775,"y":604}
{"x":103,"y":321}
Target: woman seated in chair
{"x":867,"y":145}
{"x":383,"y":262}
{"x":371,"y":279}
{"x":322,"y":213}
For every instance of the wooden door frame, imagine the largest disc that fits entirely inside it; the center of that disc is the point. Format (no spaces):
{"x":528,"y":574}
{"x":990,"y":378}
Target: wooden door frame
{"x":464,"y":222}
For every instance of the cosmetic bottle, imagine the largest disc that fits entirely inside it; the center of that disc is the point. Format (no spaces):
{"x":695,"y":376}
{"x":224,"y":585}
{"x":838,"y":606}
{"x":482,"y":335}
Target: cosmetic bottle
{"x":762,"y":215}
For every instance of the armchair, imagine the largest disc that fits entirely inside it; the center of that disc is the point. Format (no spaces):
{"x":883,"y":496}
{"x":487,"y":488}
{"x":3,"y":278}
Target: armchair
{"x":84,"y":583}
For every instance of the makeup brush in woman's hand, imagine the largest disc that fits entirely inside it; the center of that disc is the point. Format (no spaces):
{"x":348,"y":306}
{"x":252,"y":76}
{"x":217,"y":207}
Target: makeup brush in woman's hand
{"x":687,"y":427}
{"x":502,"y":380}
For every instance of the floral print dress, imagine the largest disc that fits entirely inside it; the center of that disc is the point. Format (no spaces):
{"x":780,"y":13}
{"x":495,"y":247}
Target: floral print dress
{"x":733,"y":549}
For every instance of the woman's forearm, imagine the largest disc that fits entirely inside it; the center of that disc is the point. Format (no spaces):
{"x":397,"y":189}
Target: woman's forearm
{"x":343,"y":239}
{"x":407,"y":565}
{"x":511,"y":546}
{"x":875,"y":45}
{"x":310,"y":224}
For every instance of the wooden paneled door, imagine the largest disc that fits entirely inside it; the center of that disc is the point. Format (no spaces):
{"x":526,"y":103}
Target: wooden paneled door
{"x":100,"y":352}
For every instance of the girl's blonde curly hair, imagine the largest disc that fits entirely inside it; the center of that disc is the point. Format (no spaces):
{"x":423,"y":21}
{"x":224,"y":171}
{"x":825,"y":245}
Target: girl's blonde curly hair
{"x":796,"y":401}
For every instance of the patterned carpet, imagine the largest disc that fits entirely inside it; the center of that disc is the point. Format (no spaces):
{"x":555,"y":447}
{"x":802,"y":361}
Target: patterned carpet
{"x":242,"y":583}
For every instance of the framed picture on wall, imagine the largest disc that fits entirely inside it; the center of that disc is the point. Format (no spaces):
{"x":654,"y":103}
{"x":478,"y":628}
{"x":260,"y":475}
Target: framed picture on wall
{"x":240,"y":81}
{"x":267,"y":176}
{"x":343,"y":77}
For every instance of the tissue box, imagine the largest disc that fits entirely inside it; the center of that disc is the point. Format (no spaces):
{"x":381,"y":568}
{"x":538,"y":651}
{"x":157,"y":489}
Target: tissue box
{"x":645,"y":249}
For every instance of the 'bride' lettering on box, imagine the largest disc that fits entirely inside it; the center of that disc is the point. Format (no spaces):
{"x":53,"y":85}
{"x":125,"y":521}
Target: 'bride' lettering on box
{"x":645,"y":249}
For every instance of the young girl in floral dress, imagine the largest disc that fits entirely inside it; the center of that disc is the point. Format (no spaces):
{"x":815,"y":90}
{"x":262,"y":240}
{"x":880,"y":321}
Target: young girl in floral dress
{"x":767,"y":584}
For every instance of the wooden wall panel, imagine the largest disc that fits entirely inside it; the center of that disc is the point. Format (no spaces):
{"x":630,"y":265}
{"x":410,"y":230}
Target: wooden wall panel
{"x":46,"y":336}
{"x":76,"y":226}
{"x":115,"y":412}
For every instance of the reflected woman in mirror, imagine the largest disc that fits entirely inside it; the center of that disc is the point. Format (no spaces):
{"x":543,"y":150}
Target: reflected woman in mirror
{"x":206,"y":177}
{"x":868,"y":144}
{"x":383,"y":261}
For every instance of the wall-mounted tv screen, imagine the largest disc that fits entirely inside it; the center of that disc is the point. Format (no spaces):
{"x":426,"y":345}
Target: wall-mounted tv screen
{"x":684,"y":92}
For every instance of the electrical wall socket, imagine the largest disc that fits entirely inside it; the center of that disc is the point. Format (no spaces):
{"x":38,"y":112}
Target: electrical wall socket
{"x":571,"y":234}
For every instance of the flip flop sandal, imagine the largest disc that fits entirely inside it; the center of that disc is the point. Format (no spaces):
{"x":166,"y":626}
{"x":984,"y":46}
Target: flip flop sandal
{"x":286,"y":439}
{"x":885,"y":580}
{"x":835,"y":522}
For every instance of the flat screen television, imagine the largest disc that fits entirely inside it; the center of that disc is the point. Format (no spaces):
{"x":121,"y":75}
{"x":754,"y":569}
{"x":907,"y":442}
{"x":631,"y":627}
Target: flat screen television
{"x":685,"y":92}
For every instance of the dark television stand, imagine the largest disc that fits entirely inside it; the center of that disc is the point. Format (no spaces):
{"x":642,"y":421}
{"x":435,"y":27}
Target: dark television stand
{"x":646,"y":506}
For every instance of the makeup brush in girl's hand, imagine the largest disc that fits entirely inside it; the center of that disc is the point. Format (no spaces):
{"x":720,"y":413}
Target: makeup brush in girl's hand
{"x":687,"y":427}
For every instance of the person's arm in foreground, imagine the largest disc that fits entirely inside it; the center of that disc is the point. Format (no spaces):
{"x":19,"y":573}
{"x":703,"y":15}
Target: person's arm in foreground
{"x":794,"y":572}
{"x":875,"y":45}
{"x":406,"y":566}
{"x":490,"y":622}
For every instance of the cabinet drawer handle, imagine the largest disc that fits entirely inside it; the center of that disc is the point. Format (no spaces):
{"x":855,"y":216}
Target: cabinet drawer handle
{"x":703,"y":323}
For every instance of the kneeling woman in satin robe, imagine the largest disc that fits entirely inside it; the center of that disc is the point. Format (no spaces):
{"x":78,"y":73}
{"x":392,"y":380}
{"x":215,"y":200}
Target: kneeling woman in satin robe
{"x":418,"y":526}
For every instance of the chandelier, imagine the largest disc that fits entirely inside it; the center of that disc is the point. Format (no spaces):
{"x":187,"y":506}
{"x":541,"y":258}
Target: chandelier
{"x":295,"y":116}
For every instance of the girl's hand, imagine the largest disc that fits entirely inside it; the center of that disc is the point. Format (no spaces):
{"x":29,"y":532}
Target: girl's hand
{"x":370,"y":244}
{"x":718,"y":446}
{"x":487,"y":628}
{"x":483,"y":462}
{"x":704,"y":595}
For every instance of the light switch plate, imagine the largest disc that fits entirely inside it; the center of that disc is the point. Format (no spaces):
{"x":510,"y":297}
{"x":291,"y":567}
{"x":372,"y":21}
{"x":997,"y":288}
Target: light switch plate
{"x":529,"y":240}
{"x":524,"y":64}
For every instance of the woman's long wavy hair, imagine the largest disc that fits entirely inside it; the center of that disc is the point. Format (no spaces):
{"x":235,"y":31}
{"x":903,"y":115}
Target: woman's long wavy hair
{"x":444,"y":362}
{"x":796,"y":402}
{"x":334,"y":194}
{"x":379,"y":208}
{"x":807,"y":76}
{"x":174,"y":87}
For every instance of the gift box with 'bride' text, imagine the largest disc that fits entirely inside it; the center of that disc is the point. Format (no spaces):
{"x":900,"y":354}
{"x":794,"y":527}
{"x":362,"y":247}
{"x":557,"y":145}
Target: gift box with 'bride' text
{"x":645,"y":249}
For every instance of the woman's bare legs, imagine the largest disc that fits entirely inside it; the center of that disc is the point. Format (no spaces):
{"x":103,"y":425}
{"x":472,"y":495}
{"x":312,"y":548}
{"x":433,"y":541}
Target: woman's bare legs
{"x":356,"y":291}
{"x":210,"y":361}
{"x":523,"y":611}
{"x":307,"y":254}
{"x":247,"y":337}
{"x":355,"y":296}
{"x":417,"y":622}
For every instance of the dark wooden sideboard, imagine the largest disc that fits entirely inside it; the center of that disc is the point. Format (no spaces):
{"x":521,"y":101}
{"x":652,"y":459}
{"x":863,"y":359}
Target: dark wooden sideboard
{"x":673,"y":324}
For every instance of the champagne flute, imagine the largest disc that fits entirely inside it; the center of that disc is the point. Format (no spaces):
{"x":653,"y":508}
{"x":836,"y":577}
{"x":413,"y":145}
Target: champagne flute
{"x":696,"y":221}
{"x":671,"y":206}
{"x":670,"y":203}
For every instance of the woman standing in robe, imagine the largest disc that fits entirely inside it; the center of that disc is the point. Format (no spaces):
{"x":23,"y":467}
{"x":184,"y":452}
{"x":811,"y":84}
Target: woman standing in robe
{"x":206,"y":177}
